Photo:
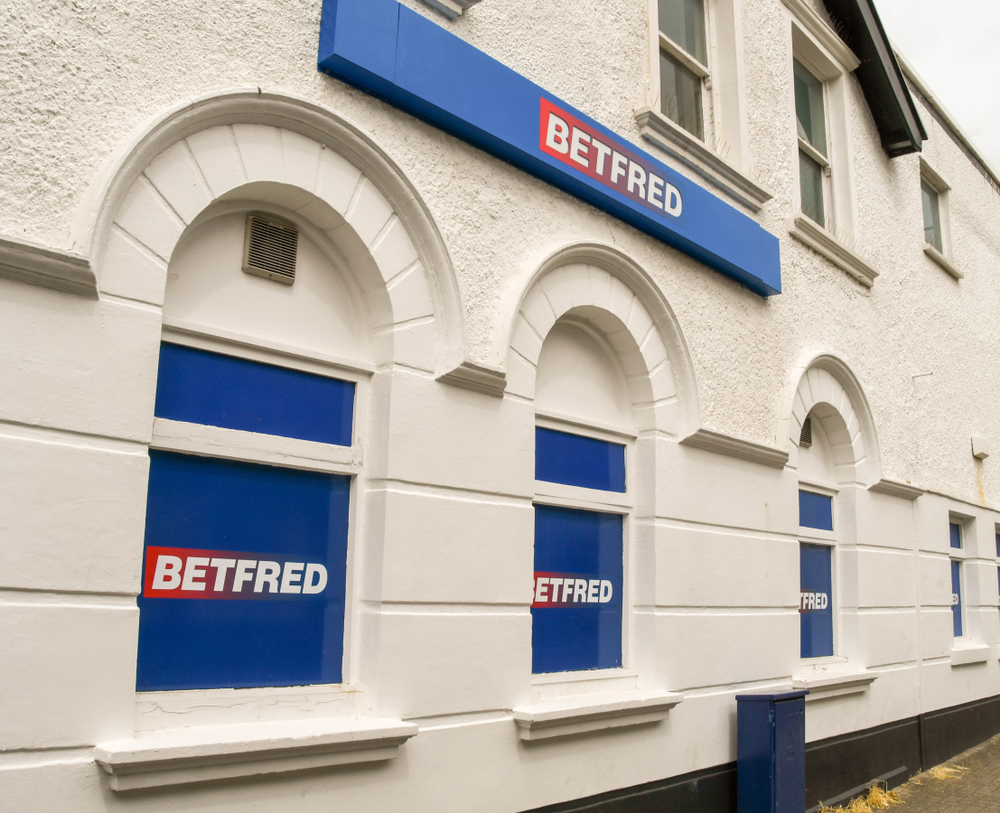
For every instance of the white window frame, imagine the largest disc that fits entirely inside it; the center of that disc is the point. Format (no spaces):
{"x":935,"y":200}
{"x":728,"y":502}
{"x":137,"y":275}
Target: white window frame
{"x":161,"y":710}
{"x":827,"y":539}
{"x":625,"y":677}
{"x":821,"y":50}
{"x":721,"y":157}
{"x":943,"y":257}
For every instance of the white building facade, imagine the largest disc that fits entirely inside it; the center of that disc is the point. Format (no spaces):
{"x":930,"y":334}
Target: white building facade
{"x":535,"y":433}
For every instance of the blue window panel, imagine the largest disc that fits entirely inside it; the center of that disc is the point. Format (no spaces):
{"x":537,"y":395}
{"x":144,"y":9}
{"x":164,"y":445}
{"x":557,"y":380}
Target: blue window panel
{"x":998,"y":545}
{"x":220,"y":505}
{"x":573,"y":637}
{"x":815,"y":511}
{"x":575,"y":460}
{"x":197,"y":386}
{"x":956,"y":596}
{"x":815,"y":600}
{"x":955,"y":531}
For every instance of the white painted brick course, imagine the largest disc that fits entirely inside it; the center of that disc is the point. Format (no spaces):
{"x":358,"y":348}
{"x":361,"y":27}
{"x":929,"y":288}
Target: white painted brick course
{"x":440,"y":549}
{"x":147,"y":217}
{"x":77,"y":690}
{"x":410,"y":295}
{"x":75,"y":364}
{"x":218,"y":159}
{"x":71,"y":517}
{"x":394,"y":250}
{"x":131,"y":270}
{"x":452,"y":662}
{"x":300,"y":159}
{"x":177,"y":178}
{"x":336,"y":180}
{"x":369,"y":211}
{"x":260,"y":152}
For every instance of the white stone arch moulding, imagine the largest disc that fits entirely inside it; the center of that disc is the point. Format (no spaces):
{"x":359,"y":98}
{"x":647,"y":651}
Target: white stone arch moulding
{"x":608,"y":289}
{"x":826,"y":382}
{"x":327,"y":170}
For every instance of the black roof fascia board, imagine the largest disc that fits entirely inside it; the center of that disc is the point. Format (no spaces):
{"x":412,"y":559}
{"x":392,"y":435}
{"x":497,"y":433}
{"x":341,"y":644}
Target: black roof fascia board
{"x":881,"y":79}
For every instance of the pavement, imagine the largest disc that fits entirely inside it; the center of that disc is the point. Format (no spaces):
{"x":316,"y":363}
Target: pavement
{"x":948,"y":788}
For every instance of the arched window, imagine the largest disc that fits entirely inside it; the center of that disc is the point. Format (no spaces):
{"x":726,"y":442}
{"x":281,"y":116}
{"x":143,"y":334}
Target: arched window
{"x":817,"y":540}
{"x":583,"y":503}
{"x":252,"y":464}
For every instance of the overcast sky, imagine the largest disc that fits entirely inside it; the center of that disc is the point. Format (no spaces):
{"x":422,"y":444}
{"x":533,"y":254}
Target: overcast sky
{"x":955,"y":47}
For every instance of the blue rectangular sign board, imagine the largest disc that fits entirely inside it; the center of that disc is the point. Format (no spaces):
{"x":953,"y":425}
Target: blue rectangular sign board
{"x":956,"y":597}
{"x":576,"y":615}
{"x":198,"y":386}
{"x":815,"y":511}
{"x":575,"y":460}
{"x":815,"y":600}
{"x":244,"y":575}
{"x":395,"y":53}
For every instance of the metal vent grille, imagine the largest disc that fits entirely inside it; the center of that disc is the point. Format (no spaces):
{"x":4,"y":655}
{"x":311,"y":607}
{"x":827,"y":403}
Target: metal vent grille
{"x":806,"y":438}
{"x":270,"y":248}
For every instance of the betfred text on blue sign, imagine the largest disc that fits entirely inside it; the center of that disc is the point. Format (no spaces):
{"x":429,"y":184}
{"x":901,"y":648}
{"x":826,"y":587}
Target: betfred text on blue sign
{"x":200,"y":574}
{"x":584,"y":149}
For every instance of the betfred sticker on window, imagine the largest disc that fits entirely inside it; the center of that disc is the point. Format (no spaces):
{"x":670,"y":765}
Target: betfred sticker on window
{"x":244,"y":575}
{"x":576,"y":614}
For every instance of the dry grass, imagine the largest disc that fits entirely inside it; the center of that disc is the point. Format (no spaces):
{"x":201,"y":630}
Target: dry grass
{"x":875,"y":799}
{"x":947,"y":771}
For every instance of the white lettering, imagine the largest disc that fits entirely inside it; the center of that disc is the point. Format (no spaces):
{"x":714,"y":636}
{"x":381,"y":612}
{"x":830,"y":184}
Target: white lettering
{"x":606,"y":591}
{"x":290,"y":576}
{"x":540,"y":587}
{"x":167,"y":575}
{"x":309,"y":585}
{"x":267,"y":573}
{"x":579,"y":591}
{"x":603,"y":151}
{"x":593,"y":588}
{"x":955,"y":600}
{"x":557,"y":137}
{"x":244,"y":568}
{"x":222,"y":568}
{"x":824,"y":601}
{"x":672,"y":201}
{"x":579,"y":150}
{"x":568,"y":587}
{"x":655,"y":195}
{"x":637,"y":178}
{"x":619,"y":164}
{"x":194,"y":568}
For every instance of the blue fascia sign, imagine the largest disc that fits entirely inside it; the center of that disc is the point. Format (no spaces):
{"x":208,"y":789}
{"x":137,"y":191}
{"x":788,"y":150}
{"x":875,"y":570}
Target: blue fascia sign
{"x":393,"y":52}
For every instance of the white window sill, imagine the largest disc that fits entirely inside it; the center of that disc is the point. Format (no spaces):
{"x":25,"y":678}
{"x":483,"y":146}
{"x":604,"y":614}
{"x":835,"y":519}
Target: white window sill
{"x":965,"y":655}
{"x":35,"y":264}
{"x":943,"y":261}
{"x":820,"y":240}
{"x":450,"y":8}
{"x":205,"y":753}
{"x":693,"y":153}
{"x":566,"y":716}
{"x":823,"y":684}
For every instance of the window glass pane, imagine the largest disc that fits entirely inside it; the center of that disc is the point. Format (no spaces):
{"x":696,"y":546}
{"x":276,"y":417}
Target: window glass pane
{"x":244,"y":575}
{"x":809,"y":111}
{"x":197,"y":386}
{"x":684,"y":22}
{"x":811,"y":184}
{"x":680,"y":95}
{"x":575,"y":460}
{"x":956,"y":597}
{"x":815,"y":511}
{"x":815,"y":601}
{"x":955,"y":532}
{"x":932,"y":216}
{"x":576,"y":616}
{"x":998,"y":545}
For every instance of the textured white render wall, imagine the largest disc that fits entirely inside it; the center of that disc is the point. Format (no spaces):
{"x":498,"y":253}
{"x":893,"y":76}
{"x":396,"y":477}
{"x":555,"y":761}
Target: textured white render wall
{"x":80,"y":77}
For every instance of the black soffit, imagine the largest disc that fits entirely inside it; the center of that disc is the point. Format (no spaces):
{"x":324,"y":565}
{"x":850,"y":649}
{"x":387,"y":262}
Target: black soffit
{"x":881,"y":79}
